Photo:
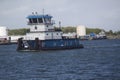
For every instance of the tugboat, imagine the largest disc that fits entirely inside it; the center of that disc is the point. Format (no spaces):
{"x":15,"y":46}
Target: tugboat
{"x":44,"y":36}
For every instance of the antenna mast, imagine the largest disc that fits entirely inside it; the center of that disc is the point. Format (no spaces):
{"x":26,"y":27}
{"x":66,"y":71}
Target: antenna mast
{"x":60,"y":24}
{"x":43,"y":11}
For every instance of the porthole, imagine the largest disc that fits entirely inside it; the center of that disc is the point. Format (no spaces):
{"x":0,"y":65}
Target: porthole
{"x":35,"y":27}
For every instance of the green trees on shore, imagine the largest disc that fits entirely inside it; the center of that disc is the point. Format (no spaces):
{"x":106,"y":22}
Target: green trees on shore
{"x":110,"y":32}
{"x":94,"y":30}
{"x":68,"y":29}
{"x":73,"y":29}
{"x":22,"y":31}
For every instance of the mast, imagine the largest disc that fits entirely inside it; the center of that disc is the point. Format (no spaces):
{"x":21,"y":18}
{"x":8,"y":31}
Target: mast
{"x":59,"y":24}
{"x":43,"y":11}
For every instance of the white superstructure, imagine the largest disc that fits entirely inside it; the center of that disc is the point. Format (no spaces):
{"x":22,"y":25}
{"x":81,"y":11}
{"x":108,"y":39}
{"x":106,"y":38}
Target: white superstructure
{"x":41,"y":26}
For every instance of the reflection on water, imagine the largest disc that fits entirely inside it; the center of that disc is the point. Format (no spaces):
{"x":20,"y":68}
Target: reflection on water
{"x":99,"y":60}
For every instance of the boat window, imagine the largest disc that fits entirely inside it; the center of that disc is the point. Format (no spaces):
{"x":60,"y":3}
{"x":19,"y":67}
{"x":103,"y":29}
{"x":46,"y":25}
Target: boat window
{"x":30,"y":20}
{"x":47,"y":20}
{"x":34,"y":20}
{"x":40,"y":20}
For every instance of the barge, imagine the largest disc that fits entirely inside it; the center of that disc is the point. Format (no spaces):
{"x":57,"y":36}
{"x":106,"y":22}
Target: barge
{"x":44,"y":36}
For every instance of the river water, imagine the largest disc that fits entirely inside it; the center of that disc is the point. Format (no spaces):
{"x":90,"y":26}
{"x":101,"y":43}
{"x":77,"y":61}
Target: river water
{"x":99,"y":60}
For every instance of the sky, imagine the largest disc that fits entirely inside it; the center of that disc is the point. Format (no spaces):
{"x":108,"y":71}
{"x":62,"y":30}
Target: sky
{"x":103,"y":14}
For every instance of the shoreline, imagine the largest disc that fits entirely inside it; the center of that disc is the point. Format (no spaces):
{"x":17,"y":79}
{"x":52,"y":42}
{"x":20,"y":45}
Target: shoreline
{"x":113,"y":37}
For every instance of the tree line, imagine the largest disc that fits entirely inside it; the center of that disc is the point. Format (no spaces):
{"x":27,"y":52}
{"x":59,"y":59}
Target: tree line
{"x":73,"y":29}
{"x":22,"y":31}
{"x":68,"y":29}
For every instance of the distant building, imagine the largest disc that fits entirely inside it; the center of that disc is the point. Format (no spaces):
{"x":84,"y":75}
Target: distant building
{"x":81,"y":30}
{"x":3,"y":31}
{"x":4,"y":39}
{"x":102,"y":33}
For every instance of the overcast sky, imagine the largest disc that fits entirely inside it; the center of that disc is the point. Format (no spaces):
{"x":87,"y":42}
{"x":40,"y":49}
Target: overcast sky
{"x":103,"y":14}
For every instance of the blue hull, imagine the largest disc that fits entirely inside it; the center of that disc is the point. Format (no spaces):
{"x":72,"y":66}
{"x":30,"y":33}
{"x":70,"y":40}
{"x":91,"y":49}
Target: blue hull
{"x":53,"y":44}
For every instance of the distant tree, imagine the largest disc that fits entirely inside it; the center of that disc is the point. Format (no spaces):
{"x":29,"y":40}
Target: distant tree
{"x":68,"y":29}
{"x":96,"y":30}
{"x":110,"y":32}
{"x":117,"y":33}
{"x":22,"y":31}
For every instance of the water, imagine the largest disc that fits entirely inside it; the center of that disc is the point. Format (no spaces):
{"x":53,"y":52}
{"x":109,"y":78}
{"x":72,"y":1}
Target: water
{"x":99,"y":60}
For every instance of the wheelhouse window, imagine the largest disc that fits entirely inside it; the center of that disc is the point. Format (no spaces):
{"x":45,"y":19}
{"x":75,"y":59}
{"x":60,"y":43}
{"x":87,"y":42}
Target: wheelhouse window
{"x":47,"y":20}
{"x":40,"y":20}
{"x":34,"y":20}
{"x":30,"y":20}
